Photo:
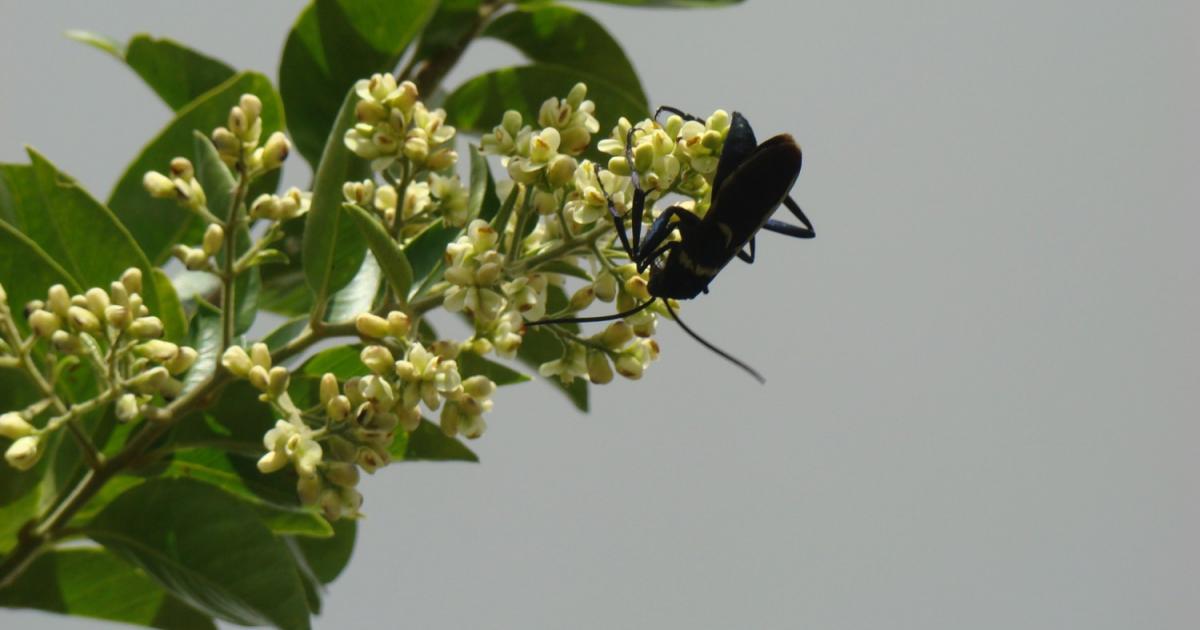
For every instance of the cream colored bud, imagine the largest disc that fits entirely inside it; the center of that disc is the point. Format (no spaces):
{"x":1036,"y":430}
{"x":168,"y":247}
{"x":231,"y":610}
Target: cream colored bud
{"x":309,"y":489}
{"x":146,"y":328}
{"x":629,"y":367}
{"x":157,"y":350}
{"x":83,"y":319}
{"x":214,"y":237}
{"x":14,"y":425}
{"x":446,"y":350}
{"x":442,"y":159}
{"x":638,"y":288}
{"x":488,"y":274}
{"x":619,"y":166}
{"x":65,"y":343}
{"x":44,"y":323}
{"x":183,"y":361}
{"x":132,"y":280}
{"x":416,"y":149}
{"x":378,"y":359}
{"x":449,"y":419}
{"x":338,"y":408}
{"x":227,"y":144}
{"x":329,"y":388}
{"x":577,"y":94}
{"x":260,"y":354}
{"x":119,"y":295}
{"x":151,"y":381}
{"x":127,"y":409}
{"x":277,"y":381}
{"x":238,"y":122}
{"x":605,"y":287}
{"x":478,"y":386}
{"x":275,"y":151}
{"x":182,"y":168}
{"x":342,"y":474}
{"x":259,"y":378}
{"x":266,"y":207}
{"x":369,"y":460}
{"x":117,"y":316}
{"x":371,"y":326}
{"x":97,"y":301}
{"x":398,"y":324}
{"x":195,"y":259}
{"x":24,"y":453}
{"x":599,"y":370}
{"x":251,"y":105}
{"x":582,"y":298}
{"x":237,"y":361}
{"x":158,"y":185}
{"x":645,"y":327}
{"x":561,"y":170}
{"x":617,"y":334}
{"x":59,"y":300}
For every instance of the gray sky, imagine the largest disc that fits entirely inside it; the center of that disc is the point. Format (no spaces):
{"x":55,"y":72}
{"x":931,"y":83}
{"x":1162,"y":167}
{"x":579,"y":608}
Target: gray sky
{"x":980,"y":407}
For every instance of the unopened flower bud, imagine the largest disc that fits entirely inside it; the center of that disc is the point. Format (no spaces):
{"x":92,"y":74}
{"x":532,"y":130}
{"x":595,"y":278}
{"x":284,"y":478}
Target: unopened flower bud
{"x":83,"y":319}
{"x":638,"y":288}
{"x":182,"y":168}
{"x":59,"y":300}
{"x":229,"y":147}
{"x":605,"y":287}
{"x":369,"y":460}
{"x":260,"y":354}
{"x":97,"y":301}
{"x":617,"y":334}
{"x":378,"y":359}
{"x":259,"y":378}
{"x":237,"y":361}
{"x":371,"y":326}
{"x":398,"y":324}
{"x":277,"y":381}
{"x":14,"y":425}
{"x":442,"y":159}
{"x":275,"y":151}
{"x":329,"y":388}
{"x":157,"y":350}
{"x":309,"y":489}
{"x":158,"y":185}
{"x":338,"y":408}
{"x":127,"y":408}
{"x":117,"y":316}
{"x":629,"y":367}
{"x":146,"y":328}
{"x":599,"y":370}
{"x":214,"y":237}
{"x":151,"y":381}
{"x":182,"y":362}
{"x":132,"y":280}
{"x":645,"y":327}
{"x":65,"y":343}
{"x":266,"y":207}
{"x":488,"y":273}
{"x":44,"y":323}
{"x":479,"y":387}
{"x":561,"y":170}
{"x":582,"y":298}
{"x":342,"y":474}
{"x":24,"y":453}
{"x":416,"y":149}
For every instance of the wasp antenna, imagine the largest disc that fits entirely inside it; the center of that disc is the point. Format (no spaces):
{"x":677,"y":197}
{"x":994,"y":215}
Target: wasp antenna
{"x":602,"y":318}
{"x":728,"y":357}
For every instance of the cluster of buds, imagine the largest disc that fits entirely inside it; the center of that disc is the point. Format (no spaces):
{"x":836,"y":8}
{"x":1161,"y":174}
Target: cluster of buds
{"x":256,"y":367}
{"x":395,"y":129}
{"x":546,"y":156}
{"x":238,"y":142}
{"x":111,"y":330}
{"x":474,"y":269}
{"x":595,"y":357}
{"x":181,"y":185}
{"x":292,"y":204}
{"x":200,"y":258}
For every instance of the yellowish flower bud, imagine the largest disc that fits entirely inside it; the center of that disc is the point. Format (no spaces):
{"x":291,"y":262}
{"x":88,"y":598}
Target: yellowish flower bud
{"x":329,"y":388}
{"x":617,"y":334}
{"x":582,"y":298}
{"x":398,"y":324}
{"x":237,"y":361}
{"x":259,"y":378}
{"x":342,"y":474}
{"x":638,"y":288}
{"x":214,"y":237}
{"x":132,"y":280}
{"x":441,"y":159}
{"x":371,"y":326}
{"x":127,"y":408}
{"x":59,"y":300}
{"x":629,"y":367}
{"x":117,"y":316}
{"x":24,"y":453}
{"x":378,"y":359}
{"x":260,"y":354}
{"x":158,"y":185}
{"x":83,"y":319}
{"x":272,"y":462}
{"x":44,"y":323}
{"x":599,"y":370}
{"x":65,"y":343}
{"x":157,"y":350}
{"x":97,"y":301}
{"x":605,"y":287}
{"x":14,"y":425}
{"x":146,"y":328}
{"x":277,"y":381}
{"x":338,"y":408}
{"x":182,"y":362}
{"x":151,"y":381}
{"x":275,"y":151}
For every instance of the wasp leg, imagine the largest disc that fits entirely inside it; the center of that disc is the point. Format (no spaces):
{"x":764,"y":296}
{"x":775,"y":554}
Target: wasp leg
{"x":639,"y":196}
{"x":748,"y":256}
{"x":682,"y":114}
{"x":779,"y":227}
{"x":660,"y":230}
{"x":618,"y":222}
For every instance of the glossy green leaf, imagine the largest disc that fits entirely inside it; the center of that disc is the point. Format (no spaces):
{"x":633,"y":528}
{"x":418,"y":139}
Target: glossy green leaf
{"x":334,"y":249}
{"x":540,"y":345}
{"x":428,"y":443}
{"x":207,"y":548}
{"x":358,"y":296}
{"x":480,"y":103}
{"x":426,"y":250}
{"x":471,"y":364}
{"x":342,"y":361}
{"x":27,"y":271}
{"x":559,"y":35}
{"x":159,"y":224}
{"x":235,"y":423}
{"x":94,"y":583}
{"x":206,"y":340}
{"x":453,"y":20}
{"x":285,"y":333}
{"x":328,"y":557}
{"x":285,"y":291}
{"x":387,"y":252}
{"x":170,"y":307}
{"x":333,"y":44}
{"x":482,"y":202}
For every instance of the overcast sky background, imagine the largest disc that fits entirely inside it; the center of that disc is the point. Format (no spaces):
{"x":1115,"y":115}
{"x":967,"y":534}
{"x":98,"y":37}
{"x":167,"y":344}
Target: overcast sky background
{"x":980,"y":409}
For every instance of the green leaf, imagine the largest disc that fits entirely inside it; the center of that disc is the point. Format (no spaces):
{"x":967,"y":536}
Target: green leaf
{"x":500,"y":221}
{"x":175,"y":72}
{"x":333,"y":250}
{"x":285,"y":292}
{"x":389,"y":255}
{"x":342,"y":361}
{"x":327,"y":557}
{"x":27,"y":271}
{"x":206,"y":340}
{"x":565,"y":268}
{"x":559,"y":35}
{"x":207,"y":548}
{"x":358,"y":296}
{"x":428,"y":443}
{"x":170,"y":308}
{"x":426,"y":250}
{"x":677,"y":4}
{"x":159,"y":224}
{"x":95,"y":583}
{"x":333,"y":44}
{"x":480,"y":103}
{"x":453,"y":20}
{"x":482,"y":202}
{"x":285,"y":333}
{"x":471,"y":364}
